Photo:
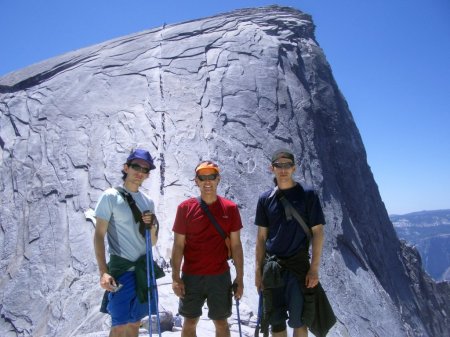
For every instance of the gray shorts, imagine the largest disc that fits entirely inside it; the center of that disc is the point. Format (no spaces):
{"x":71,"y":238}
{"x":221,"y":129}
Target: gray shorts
{"x":215,"y":289}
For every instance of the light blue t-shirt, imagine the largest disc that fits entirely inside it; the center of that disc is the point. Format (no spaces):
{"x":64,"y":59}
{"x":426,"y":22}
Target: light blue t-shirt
{"x":123,"y":234}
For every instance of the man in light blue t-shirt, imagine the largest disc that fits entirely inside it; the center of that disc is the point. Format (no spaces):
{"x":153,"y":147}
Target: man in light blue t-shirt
{"x":127,"y":249}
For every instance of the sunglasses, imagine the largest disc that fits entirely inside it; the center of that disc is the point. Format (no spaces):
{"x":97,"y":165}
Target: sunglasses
{"x":207,"y":177}
{"x":283,"y":165}
{"x":139,"y":168}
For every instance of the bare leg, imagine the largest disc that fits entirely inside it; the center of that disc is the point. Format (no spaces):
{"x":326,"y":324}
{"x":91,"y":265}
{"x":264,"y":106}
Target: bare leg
{"x":222,"y":329}
{"x":301,"y":332}
{"x":189,"y":327}
{"x":125,"y":330}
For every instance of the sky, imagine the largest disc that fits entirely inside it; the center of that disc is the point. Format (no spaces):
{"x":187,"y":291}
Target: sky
{"x":390,"y":60}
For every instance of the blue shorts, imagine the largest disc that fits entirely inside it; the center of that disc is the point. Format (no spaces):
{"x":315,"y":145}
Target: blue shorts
{"x":124,"y":306}
{"x":287,"y":302}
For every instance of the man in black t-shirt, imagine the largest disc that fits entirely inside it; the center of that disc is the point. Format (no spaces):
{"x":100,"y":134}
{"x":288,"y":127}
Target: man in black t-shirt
{"x":284,"y":238}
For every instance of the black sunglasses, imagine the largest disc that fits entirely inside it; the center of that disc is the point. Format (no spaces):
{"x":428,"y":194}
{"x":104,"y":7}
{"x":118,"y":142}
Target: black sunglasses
{"x":207,"y":177}
{"x":283,"y":165}
{"x":139,"y":168}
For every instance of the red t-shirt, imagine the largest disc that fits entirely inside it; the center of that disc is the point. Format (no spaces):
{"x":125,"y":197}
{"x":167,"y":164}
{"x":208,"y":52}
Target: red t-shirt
{"x":205,"y":252}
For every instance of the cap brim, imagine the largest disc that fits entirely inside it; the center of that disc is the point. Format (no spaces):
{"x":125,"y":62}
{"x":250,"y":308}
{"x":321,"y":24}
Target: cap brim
{"x":207,"y":168}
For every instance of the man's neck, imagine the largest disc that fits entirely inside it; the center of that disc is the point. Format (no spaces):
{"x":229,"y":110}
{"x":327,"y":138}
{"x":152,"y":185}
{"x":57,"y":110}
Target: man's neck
{"x":284,"y":185}
{"x":209,"y":199}
{"x":130,"y":186}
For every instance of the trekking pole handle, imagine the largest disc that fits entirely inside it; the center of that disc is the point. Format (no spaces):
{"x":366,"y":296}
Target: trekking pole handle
{"x":152,"y":219}
{"x":148,"y":212}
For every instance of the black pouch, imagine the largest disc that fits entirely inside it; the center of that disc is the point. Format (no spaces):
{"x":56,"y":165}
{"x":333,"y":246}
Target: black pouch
{"x":105,"y":301}
{"x":309,"y":305}
{"x":159,"y":272}
{"x":272,"y":276}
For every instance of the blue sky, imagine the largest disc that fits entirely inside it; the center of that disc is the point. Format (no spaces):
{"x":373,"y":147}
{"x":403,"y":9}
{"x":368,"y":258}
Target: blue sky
{"x":391,"y":60}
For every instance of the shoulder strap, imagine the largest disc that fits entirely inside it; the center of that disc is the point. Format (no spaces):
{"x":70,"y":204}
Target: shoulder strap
{"x":292,"y":212}
{"x":205,"y":208}
{"x":137,"y":214}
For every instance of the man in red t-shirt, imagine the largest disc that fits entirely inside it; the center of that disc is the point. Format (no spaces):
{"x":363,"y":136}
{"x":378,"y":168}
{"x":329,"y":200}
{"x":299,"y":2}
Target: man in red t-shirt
{"x":205,"y":271}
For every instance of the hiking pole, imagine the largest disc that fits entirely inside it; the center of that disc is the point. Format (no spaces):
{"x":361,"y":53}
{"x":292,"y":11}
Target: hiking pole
{"x":151,"y":282}
{"x":235,"y":285}
{"x":260,"y":308}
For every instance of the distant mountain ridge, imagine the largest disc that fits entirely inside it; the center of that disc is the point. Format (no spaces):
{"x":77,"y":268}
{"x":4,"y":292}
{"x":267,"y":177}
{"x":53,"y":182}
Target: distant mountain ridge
{"x":429,"y":232}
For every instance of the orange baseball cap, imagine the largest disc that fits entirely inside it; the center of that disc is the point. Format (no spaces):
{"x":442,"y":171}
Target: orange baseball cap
{"x":207,"y":165}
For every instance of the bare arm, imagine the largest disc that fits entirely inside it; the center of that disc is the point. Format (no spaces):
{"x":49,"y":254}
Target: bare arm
{"x":312,"y":277}
{"x":106,"y":281}
{"x":260,"y":254}
{"x":177,"y":256}
{"x":238,"y":258}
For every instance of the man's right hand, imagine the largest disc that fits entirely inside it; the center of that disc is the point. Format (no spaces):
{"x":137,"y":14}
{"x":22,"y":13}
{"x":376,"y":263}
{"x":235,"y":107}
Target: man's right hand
{"x":107,"y":282}
{"x":149,"y":219}
{"x":178,"y":287}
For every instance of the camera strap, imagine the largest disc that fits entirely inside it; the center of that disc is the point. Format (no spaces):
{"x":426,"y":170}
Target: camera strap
{"x":213,"y":220}
{"x":290,"y":212}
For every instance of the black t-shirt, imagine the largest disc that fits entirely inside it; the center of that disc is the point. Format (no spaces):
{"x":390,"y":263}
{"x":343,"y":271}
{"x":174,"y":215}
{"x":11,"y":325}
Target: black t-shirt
{"x":286,"y":237}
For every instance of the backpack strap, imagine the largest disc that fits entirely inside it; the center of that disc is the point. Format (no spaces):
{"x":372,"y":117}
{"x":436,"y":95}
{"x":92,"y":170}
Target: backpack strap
{"x":290,"y":212}
{"x":137,"y":214}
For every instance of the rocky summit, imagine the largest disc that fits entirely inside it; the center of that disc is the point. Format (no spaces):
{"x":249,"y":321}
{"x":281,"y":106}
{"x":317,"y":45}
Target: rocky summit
{"x":232,"y":88}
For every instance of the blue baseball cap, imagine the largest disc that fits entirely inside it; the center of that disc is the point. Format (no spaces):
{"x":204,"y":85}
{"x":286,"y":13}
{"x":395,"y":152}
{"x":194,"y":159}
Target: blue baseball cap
{"x":141,"y":154}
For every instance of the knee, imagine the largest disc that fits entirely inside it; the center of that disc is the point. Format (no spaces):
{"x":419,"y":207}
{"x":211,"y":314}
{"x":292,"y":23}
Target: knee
{"x":301,"y":332}
{"x":189,"y":328}
{"x":221,"y":325}
{"x":118,"y":330}
{"x":190,"y":323}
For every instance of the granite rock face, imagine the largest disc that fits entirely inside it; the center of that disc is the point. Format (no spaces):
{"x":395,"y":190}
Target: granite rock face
{"x":233,"y":88}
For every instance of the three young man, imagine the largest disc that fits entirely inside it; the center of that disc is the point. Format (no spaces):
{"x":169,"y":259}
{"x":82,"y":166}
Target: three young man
{"x":200,"y":271}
